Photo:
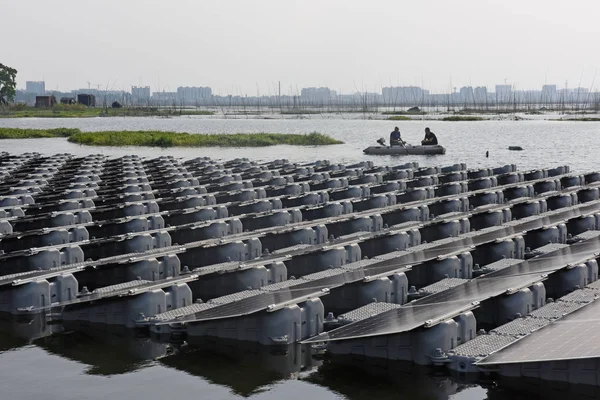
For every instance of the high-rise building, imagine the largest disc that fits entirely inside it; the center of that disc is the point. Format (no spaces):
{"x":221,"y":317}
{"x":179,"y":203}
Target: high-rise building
{"x":193,"y":94}
{"x":480,"y":94}
{"x":314,"y":95}
{"x":549,"y":94}
{"x":164,"y":98}
{"x":503,"y":93}
{"x":140,"y":94}
{"x":407,"y":95}
{"x":36,"y":87}
{"x":466,"y":94}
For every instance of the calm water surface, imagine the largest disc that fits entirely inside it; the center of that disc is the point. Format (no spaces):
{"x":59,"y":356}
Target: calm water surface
{"x":545,"y":142}
{"x":100,"y":365}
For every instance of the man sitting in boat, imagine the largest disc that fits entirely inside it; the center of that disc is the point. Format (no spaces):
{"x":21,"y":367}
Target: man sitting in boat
{"x":395,"y":139}
{"x":430,"y":138}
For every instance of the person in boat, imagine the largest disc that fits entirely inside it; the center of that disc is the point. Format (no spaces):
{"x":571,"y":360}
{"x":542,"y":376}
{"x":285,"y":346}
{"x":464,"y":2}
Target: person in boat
{"x":430,"y":138}
{"x":395,"y":139}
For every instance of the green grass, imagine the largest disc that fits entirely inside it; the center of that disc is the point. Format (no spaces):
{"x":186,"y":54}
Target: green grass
{"x":399,"y":118}
{"x":577,"y":119}
{"x":80,"y":111}
{"x":467,"y":111}
{"x":170,"y":139}
{"x":16,"y":133}
{"x":173,"y":139}
{"x":300,"y":112}
{"x":462,"y":118}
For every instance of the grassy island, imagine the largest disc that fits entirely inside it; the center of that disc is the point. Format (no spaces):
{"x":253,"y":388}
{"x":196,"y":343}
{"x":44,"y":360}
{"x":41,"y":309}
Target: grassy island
{"x":17,"y":133}
{"x":462,"y":118}
{"x":586,"y":119}
{"x":399,"y":118}
{"x":296,"y":111}
{"x":171,"y":139}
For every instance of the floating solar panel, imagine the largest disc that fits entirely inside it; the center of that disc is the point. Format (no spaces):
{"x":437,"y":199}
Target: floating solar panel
{"x":572,"y":337}
{"x":447,"y":304}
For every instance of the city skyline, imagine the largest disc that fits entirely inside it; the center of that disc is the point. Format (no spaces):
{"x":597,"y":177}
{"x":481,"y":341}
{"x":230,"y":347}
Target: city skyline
{"x":295,"y":90}
{"x":466,"y":96}
{"x":349,"y":46}
{"x":550,"y":90}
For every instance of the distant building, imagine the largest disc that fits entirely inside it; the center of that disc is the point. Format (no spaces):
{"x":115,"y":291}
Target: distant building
{"x":35,"y":87}
{"x":549,"y":94}
{"x":88,"y":100}
{"x":45,"y":101}
{"x":526,"y":96}
{"x":580,"y":94}
{"x":480,"y":94}
{"x":193,"y":94}
{"x":466,"y":94}
{"x":317,"y":96}
{"x":164,"y":98}
{"x":503,"y":93}
{"x":403,"y":95}
{"x":575,"y":95}
{"x":140,"y":95}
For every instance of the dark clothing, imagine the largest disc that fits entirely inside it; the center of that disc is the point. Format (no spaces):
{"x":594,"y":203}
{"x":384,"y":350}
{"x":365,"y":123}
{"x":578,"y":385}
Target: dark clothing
{"x":395,"y":138}
{"x":430,"y":139}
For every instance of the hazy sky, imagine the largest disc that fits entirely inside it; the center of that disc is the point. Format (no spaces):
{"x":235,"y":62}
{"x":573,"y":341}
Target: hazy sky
{"x":241,"y":46}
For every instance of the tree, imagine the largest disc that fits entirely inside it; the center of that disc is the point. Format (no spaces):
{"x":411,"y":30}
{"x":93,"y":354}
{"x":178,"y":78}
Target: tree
{"x":8,"y":83}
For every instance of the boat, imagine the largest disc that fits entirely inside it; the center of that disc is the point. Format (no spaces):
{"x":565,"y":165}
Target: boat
{"x":405,"y":150}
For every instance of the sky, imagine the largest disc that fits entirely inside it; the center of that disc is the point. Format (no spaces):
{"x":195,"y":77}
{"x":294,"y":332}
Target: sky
{"x":248,"y":46}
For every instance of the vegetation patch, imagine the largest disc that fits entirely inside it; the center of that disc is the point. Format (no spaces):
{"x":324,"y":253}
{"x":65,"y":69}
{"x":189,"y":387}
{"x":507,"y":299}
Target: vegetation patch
{"x":17,"y":133}
{"x":462,"y":118}
{"x":589,"y":119}
{"x":399,"y":118}
{"x":171,"y":139}
{"x":296,"y":111}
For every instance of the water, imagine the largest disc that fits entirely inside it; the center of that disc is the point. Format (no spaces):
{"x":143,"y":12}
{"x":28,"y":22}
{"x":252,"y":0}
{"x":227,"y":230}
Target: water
{"x":100,"y":365}
{"x":546,"y":143}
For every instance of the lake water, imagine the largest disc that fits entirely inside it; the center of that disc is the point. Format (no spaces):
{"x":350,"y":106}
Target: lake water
{"x":95,"y":365}
{"x":546,"y":143}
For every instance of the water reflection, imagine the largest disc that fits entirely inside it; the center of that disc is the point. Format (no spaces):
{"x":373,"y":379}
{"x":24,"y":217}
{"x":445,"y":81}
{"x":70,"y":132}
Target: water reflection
{"x":19,"y":331}
{"x":246,"y":368}
{"x":527,"y":388}
{"x":108,"y":351}
{"x":368,"y":380}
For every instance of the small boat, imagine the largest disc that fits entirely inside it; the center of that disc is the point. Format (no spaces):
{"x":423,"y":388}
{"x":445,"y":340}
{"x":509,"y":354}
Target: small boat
{"x":405,"y":150}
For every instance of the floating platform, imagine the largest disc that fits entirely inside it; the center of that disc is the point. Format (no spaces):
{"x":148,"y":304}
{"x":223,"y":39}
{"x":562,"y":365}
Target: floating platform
{"x":397,"y":263}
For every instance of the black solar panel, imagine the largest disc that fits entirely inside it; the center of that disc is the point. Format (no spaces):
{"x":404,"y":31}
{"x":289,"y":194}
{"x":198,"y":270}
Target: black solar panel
{"x":255,"y":303}
{"x":261,"y":301}
{"x":571,"y":337}
{"x":453,"y":301}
